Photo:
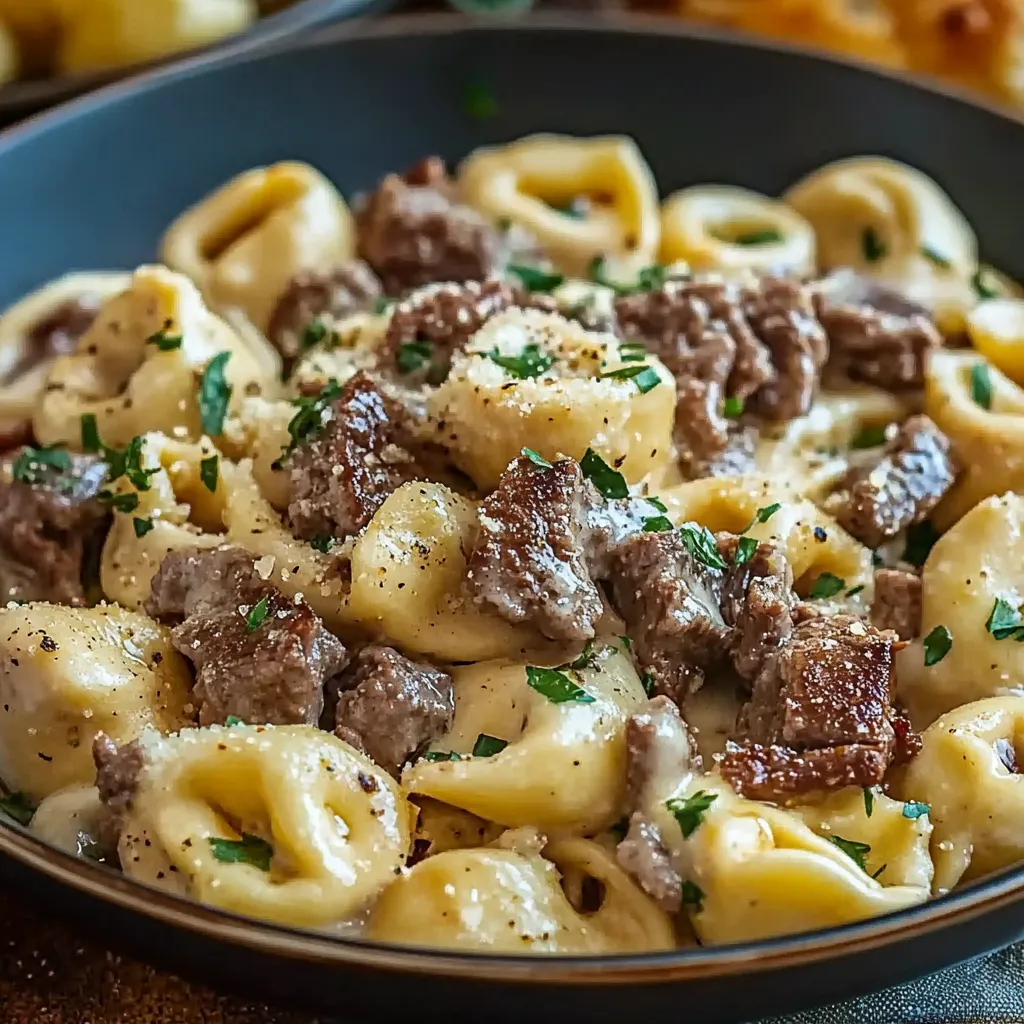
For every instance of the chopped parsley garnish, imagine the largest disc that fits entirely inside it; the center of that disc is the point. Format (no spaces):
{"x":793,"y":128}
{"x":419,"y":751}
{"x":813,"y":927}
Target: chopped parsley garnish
{"x":872,"y":246}
{"x":936,"y":645}
{"x":745,"y":550}
{"x":142,"y":526}
{"x":869,"y":801}
{"x":985,"y":283}
{"x":208,"y":471}
{"x":689,"y":811}
{"x":19,"y":807}
{"x":441,"y":755}
{"x":762,"y":515}
{"x":657,"y":524}
{"x":247,"y":850}
{"x":531,"y":362}
{"x":586,"y":659}
{"x":257,"y":614}
{"x":214,"y":395}
{"x":644,"y":377}
{"x":732,"y":408}
{"x":232,"y":720}
{"x":827,"y":585}
{"x":382,"y":304}
{"x":322,"y":544}
{"x":632,"y":352}
{"x":700,"y":542}
{"x":609,"y":482}
{"x":914,"y":809}
{"x":854,"y":591}
{"x":767,"y":237}
{"x":128,"y":462}
{"x":478,"y":101}
{"x":308,"y":421}
{"x":657,"y":503}
{"x":313,"y":333}
{"x":693,"y":896}
{"x":936,"y":257}
{"x":921,"y":538}
{"x":535,"y":279}
{"x":90,"y":433}
{"x":414,"y":355}
{"x":869,"y":437}
{"x":535,"y":458}
{"x":981,"y":385}
{"x":119,"y":502}
{"x":487,"y":746}
{"x":854,"y":850}
{"x":1004,"y":620}
{"x":648,"y":279}
{"x":164,"y":340}
{"x":556,"y":686}
{"x":627,"y":644}
{"x":647,"y":682}
{"x":31,"y":465}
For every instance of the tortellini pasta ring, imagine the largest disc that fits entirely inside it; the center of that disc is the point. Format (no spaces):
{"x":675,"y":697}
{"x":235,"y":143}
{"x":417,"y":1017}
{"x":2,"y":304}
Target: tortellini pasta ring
{"x":996,"y":330}
{"x":527,"y":180}
{"x":727,"y":228}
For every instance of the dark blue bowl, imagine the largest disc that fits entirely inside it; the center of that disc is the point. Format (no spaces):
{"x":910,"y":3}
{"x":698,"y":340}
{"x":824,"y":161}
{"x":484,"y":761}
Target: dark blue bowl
{"x":95,"y":184}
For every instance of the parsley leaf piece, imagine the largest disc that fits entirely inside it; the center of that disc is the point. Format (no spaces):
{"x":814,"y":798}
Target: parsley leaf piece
{"x":762,"y":515}
{"x":936,"y":257}
{"x":869,"y":437}
{"x":693,"y":896}
{"x":128,"y":462}
{"x":869,"y":801}
{"x":647,"y":682}
{"x":382,"y":304}
{"x":985,"y":283}
{"x":586,"y":659}
{"x":142,"y":526}
{"x":644,"y":377}
{"x":487,"y":746}
{"x":981,"y":385}
{"x":164,"y":340}
{"x":90,"y":433}
{"x":732,"y":408}
{"x":745,"y":550}
{"x":689,"y":811}
{"x":767,"y":237}
{"x":556,"y":686}
{"x":208,"y":472}
{"x":937,"y":645}
{"x":1003,"y":620}
{"x":609,"y":482}
{"x":313,"y":333}
{"x":478,"y":101}
{"x":232,"y":720}
{"x":19,"y":807}
{"x":657,"y":524}
{"x":914,"y":809}
{"x":534,"y":279}
{"x":632,"y":352}
{"x":257,"y":614}
{"x":700,"y":542}
{"x":535,"y":458}
{"x":921,"y":538}
{"x":872,"y":246}
{"x":854,"y":850}
{"x":827,"y":585}
{"x":413,"y":356}
{"x":322,"y":544}
{"x":31,"y":465}
{"x":656,"y":502}
{"x":119,"y":502}
{"x":308,"y":421}
{"x":441,"y":755}
{"x":648,"y":279}
{"x":854,"y":591}
{"x":627,"y":644}
{"x":247,"y":850}
{"x":214,"y":395}
{"x":531,"y":362}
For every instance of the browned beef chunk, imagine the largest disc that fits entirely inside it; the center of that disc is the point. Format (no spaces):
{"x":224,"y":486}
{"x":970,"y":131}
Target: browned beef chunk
{"x":583,"y":313}
{"x":259,"y":656}
{"x":327,"y":296}
{"x":117,"y":770}
{"x":897,"y":604}
{"x":345,"y":473}
{"x":528,"y":563}
{"x":670,"y":604}
{"x":821,"y":715}
{"x":643,"y":856}
{"x":392,"y":706}
{"x":735,"y":459}
{"x":608,"y":524}
{"x":875,"y":335}
{"x":915,"y":470}
{"x":413,"y":232}
{"x":49,"y":519}
{"x":758,"y":602}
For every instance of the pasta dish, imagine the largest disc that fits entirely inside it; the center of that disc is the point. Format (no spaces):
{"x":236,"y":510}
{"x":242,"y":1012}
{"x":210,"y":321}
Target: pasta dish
{"x":515,"y":560}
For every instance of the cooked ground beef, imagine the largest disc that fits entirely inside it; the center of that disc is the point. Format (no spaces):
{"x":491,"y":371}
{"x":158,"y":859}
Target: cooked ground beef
{"x":897,"y":604}
{"x":608,"y":524}
{"x":528,"y":562}
{"x":327,"y":296}
{"x":643,"y":856}
{"x":391,"y":707}
{"x":821,"y":715}
{"x":263,"y":669}
{"x":915,"y":470}
{"x":735,"y":459}
{"x":117,"y":770}
{"x":875,"y":334}
{"x":345,"y":473}
{"x":47,"y":526}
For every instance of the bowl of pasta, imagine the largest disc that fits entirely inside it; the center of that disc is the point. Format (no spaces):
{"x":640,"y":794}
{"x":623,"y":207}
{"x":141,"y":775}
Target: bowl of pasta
{"x":642,"y":468}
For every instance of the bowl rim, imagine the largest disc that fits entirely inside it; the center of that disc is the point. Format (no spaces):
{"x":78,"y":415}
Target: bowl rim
{"x":684,"y":963}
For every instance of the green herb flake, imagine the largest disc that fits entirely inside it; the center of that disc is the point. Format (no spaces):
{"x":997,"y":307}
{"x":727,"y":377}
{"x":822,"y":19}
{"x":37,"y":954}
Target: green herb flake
{"x":872,"y":246}
{"x":1003,"y":620}
{"x":214,"y":395}
{"x":934,"y":256}
{"x":921,"y":538}
{"x":609,"y":482}
{"x":762,"y":515}
{"x":414,"y":355}
{"x":19,"y":807}
{"x":248,"y":850}
{"x":208,"y":472}
{"x":650,"y":279}
{"x":587,"y":658}
{"x":769,"y":236}
{"x":632,"y":352}
{"x":627,"y":644}
{"x":308,"y":420}
{"x":732,"y":408}
{"x":536,"y":280}
{"x":556,"y":686}
{"x":530,"y":363}
{"x":693,"y":896}
{"x":488,"y":746}
{"x":826,"y":585}
{"x":914,"y":809}
{"x":981,"y":385}
{"x":382,"y":304}
{"x":647,"y":681}
{"x":90,"y":433}
{"x":128,"y":462}
{"x":745,"y":550}
{"x":869,"y":437}
{"x":119,"y":502}
{"x":142,"y":526}
{"x":657,"y":524}
{"x":937,"y":645}
{"x":164,"y":340}
{"x":441,"y":755}
{"x":854,"y":850}
{"x":478,"y":101}
{"x":869,"y":802}
{"x":232,"y":720}
{"x":257,"y":614}
{"x":322,"y":544}
{"x":644,"y":377}
{"x":32,"y":464}
{"x":535,"y":458}
{"x":689,"y":811}
{"x":854,"y":591}
{"x":313,"y":333}
{"x":985,"y":283}
{"x":701,"y":543}
{"x":657,"y":503}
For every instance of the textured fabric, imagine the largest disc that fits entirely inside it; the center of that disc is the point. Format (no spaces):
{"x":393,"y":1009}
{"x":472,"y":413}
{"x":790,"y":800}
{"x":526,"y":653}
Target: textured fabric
{"x":989,"y":991}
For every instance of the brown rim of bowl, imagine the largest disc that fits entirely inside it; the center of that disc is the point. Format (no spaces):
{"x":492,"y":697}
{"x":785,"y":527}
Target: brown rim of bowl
{"x":1000,"y":890}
